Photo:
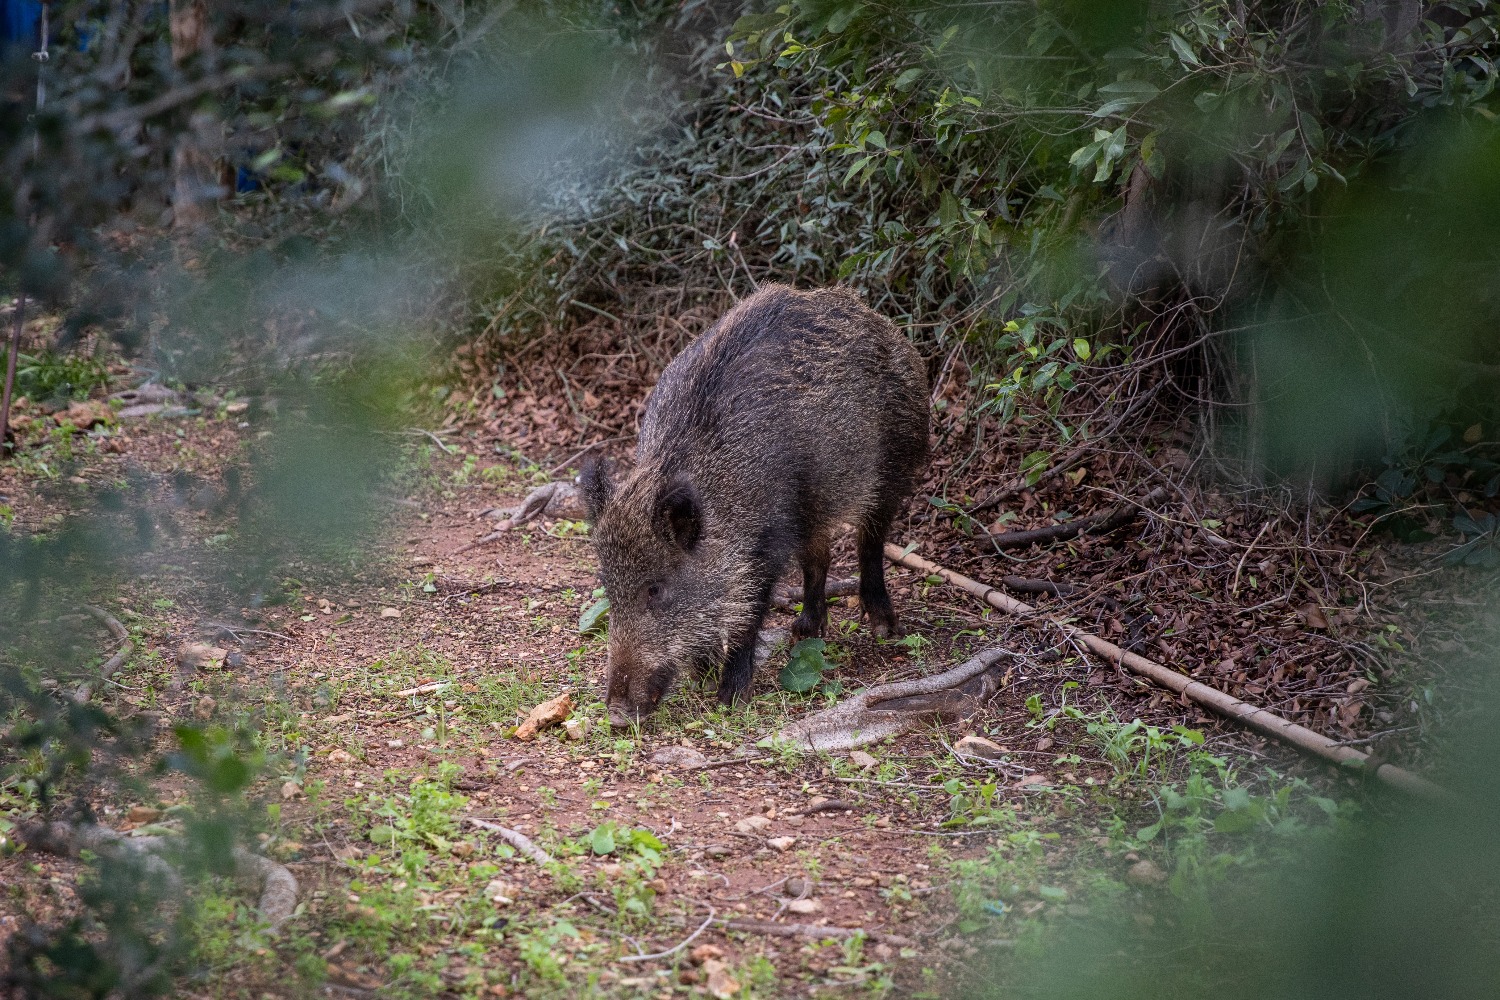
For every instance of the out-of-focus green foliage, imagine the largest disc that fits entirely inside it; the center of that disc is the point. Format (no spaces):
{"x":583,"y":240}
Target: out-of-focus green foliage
{"x":1399,"y":903}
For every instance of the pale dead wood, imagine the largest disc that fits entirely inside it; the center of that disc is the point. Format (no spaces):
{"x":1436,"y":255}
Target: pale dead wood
{"x":422,"y":689}
{"x":875,"y":713}
{"x":1257,"y":718}
{"x":118,"y":631}
{"x":519,"y":841}
{"x":679,"y":945}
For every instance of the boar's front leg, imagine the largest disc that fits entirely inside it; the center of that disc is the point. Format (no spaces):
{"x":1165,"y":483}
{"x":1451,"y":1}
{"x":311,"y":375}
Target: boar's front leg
{"x":739,"y":662}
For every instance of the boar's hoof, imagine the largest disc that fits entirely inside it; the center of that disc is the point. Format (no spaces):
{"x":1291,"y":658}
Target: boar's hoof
{"x":807,"y":627}
{"x":884,"y":625}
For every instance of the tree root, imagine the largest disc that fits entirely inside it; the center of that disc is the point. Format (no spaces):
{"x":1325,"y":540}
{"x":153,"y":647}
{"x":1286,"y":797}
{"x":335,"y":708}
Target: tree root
{"x":274,"y":884}
{"x":891,"y":709}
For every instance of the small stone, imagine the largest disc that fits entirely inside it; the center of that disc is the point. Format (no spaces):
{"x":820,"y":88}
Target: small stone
{"x":612,"y":869}
{"x":677,"y":757}
{"x":804,"y":906}
{"x":336,"y":756}
{"x":198,"y":656}
{"x":577,"y":729}
{"x":752,"y":824}
{"x":862,"y":760}
{"x":797,"y":886}
{"x":782,"y":844}
{"x":1146,"y":874}
{"x":290,"y":790}
{"x":549,"y":712}
{"x":390,"y":612}
{"x":204,"y":709}
{"x":883,"y":822}
{"x":142,"y":814}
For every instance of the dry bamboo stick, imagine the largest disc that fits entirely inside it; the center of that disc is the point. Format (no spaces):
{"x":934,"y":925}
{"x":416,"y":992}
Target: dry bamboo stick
{"x":1256,"y":718}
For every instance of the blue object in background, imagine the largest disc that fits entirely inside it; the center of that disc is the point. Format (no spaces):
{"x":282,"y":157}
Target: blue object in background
{"x":20,"y":23}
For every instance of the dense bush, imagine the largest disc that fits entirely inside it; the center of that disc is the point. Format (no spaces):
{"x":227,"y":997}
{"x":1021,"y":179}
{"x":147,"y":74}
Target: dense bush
{"x":1049,"y":191}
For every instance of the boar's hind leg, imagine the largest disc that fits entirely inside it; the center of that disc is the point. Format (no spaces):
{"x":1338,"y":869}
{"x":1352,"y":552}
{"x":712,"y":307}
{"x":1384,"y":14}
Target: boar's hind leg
{"x":814,"y":617}
{"x":872,"y":593}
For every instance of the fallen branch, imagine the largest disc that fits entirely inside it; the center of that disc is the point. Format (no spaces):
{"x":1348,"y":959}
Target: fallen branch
{"x":1026,"y":585}
{"x":828,"y":805}
{"x":891,"y":709}
{"x":678,"y":946}
{"x":1256,"y":718}
{"x":729,"y":762}
{"x":814,"y":931}
{"x":118,"y":631}
{"x":1098,"y":524}
{"x":519,"y":841}
{"x":277,"y":887}
{"x":421,"y":689}
{"x":785,"y":597}
{"x":558,"y":498}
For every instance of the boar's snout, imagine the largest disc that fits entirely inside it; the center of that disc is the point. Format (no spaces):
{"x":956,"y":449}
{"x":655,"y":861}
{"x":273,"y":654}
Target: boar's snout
{"x":635,"y":691}
{"x":621,"y":715}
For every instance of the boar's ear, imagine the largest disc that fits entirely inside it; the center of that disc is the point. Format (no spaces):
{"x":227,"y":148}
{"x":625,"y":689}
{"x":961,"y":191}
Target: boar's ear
{"x":679,"y":516}
{"x":596,"y":485}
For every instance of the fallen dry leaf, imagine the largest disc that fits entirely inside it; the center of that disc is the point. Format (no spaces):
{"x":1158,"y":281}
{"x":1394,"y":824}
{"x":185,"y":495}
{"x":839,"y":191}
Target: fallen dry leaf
{"x":142,"y":814}
{"x":1314,"y":616}
{"x":862,"y":760}
{"x":548,"y":713}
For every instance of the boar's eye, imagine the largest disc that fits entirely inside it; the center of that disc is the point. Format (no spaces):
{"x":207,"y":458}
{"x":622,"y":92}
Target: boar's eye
{"x":655,"y":595}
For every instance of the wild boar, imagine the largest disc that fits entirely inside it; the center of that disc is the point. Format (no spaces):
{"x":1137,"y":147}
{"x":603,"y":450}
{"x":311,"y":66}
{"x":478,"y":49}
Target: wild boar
{"x":796,"y":412}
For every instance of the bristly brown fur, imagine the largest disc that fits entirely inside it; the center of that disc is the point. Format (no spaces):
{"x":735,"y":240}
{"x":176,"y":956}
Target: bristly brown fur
{"x":797,"y":411}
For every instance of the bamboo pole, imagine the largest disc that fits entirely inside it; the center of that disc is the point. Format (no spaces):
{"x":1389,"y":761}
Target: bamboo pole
{"x":1259,"y":719}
